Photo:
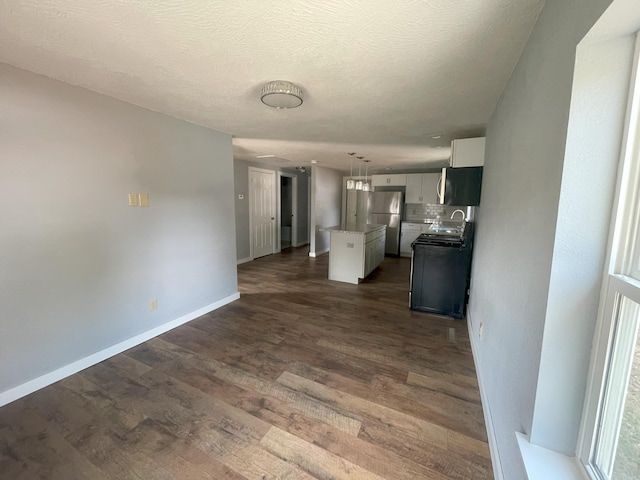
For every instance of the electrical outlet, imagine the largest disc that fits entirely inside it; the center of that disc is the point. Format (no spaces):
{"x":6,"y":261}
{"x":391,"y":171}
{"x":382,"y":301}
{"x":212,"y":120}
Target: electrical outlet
{"x":133,"y":199}
{"x":153,"y":304}
{"x":480,"y":331}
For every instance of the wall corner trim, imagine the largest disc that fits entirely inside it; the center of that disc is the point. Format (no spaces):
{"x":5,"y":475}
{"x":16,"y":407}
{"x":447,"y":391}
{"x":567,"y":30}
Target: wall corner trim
{"x":317,"y":254}
{"x":31,"y":386}
{"x":486,"y":409}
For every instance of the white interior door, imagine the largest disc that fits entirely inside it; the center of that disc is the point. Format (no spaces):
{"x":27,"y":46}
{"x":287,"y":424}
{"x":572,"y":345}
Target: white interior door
{"x":262,"y":193}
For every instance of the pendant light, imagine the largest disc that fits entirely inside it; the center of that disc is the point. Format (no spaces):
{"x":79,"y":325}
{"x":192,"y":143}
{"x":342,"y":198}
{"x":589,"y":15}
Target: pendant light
{"x":366,"y":187}
{"x":359,"y":182}
{"x":351,"y":184}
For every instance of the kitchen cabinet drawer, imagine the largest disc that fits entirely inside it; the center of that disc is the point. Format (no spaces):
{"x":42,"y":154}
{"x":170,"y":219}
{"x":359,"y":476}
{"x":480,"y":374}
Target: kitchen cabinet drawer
{"x":369,"y":237}
{"x":391,"y":180}
{"x":422,"y":188}
{"x":467,"y":152}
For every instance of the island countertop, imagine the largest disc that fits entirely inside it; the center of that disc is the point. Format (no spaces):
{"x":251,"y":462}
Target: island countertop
{"x":361,"y":228}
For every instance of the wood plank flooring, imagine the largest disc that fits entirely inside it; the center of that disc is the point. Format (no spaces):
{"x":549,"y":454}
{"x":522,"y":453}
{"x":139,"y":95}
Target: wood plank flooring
{"x":302,"y":378}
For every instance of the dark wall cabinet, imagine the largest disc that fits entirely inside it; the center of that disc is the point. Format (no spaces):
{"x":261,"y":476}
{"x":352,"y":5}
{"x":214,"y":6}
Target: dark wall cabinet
{"x":461,"y":186}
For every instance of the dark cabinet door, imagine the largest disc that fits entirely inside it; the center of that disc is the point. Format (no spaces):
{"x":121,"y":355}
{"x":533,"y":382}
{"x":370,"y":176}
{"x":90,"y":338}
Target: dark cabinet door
{"x":462,"y":186}
{"x":440,"y":278}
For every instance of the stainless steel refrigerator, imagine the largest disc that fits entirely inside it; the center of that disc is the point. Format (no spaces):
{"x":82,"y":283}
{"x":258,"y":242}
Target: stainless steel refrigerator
{"x":385,"y":208}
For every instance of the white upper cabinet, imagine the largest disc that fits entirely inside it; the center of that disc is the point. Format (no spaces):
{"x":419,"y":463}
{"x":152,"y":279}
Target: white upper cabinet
{"x":467,"y":152}
{"x":422,"y":188}
{"x":390,"y":180}
{"x":414,"y":188}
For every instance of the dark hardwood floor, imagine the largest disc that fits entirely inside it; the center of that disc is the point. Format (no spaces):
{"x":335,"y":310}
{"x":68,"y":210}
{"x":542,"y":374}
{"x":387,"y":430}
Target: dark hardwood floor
{"x":301,"y":378}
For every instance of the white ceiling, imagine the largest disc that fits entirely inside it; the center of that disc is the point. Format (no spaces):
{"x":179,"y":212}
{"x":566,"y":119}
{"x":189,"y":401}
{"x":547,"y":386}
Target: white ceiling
{"x":380,"y":77}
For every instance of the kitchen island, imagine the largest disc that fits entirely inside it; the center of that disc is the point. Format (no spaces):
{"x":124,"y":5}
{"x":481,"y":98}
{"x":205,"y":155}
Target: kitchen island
{"x":355,"y":250}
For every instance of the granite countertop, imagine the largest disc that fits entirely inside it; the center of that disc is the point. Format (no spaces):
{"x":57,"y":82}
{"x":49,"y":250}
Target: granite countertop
{"x":360,"y":228}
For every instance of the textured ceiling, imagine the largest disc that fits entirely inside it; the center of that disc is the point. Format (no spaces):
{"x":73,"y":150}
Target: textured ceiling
{"x":380,"y":77}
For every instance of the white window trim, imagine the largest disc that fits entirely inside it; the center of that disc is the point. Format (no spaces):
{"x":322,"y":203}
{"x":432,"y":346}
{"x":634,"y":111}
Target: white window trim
{"x":626,"y":228}
{"x":546,"y":464}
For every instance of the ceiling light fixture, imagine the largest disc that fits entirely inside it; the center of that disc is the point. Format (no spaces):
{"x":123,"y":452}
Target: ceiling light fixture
{"x":359,"y":183}
{"x":281,"y":94}
{"x":366,"y":187}
{"x":351,"y":184}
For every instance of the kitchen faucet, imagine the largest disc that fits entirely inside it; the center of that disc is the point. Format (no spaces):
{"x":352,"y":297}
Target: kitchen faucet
{"x":464,"y":217}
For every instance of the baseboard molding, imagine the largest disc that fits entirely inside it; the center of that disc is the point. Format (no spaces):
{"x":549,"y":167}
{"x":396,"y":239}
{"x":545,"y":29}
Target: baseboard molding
{"x":317,"y":254}
{"x":31,"y":386}
{"x":486,"y":408}
{"x":300,"y":244}
{"x":243,"y":260}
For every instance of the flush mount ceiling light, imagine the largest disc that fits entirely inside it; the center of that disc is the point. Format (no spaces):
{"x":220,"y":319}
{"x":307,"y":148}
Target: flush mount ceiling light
{"x":281,"y":94}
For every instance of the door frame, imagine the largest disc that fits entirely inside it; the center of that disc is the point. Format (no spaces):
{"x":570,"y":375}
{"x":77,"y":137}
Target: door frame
{"x":294,"y":209}
{"x":276,"y":235}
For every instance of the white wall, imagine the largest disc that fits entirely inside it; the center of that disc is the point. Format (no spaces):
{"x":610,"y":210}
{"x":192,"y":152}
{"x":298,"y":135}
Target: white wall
{"x":517,"y":220}
{"x":78,"y":266}
{"x":326,"y":205}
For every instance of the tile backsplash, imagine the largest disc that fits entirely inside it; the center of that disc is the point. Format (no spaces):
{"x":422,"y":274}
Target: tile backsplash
{"x":419,"y":212}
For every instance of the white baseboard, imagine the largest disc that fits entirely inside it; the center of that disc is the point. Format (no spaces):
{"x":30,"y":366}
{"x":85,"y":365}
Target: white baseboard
{"x":300,"y":244}
{"x":243,"y":260}
{"x":31,"y":386}
{"x":317,"y":254}
{"x":486,"y":408}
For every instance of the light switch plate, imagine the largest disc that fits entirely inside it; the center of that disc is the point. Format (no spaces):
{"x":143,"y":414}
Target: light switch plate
{"x":133,"y":199}
{"x":143,"y":199}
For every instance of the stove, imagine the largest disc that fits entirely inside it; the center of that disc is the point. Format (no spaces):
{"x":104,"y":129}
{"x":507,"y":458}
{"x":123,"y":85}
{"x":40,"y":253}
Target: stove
{"x":439,"y":239}
{"x":440,"y":272}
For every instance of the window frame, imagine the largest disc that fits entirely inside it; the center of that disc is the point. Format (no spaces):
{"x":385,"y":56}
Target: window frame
{"x":621,"y":276}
